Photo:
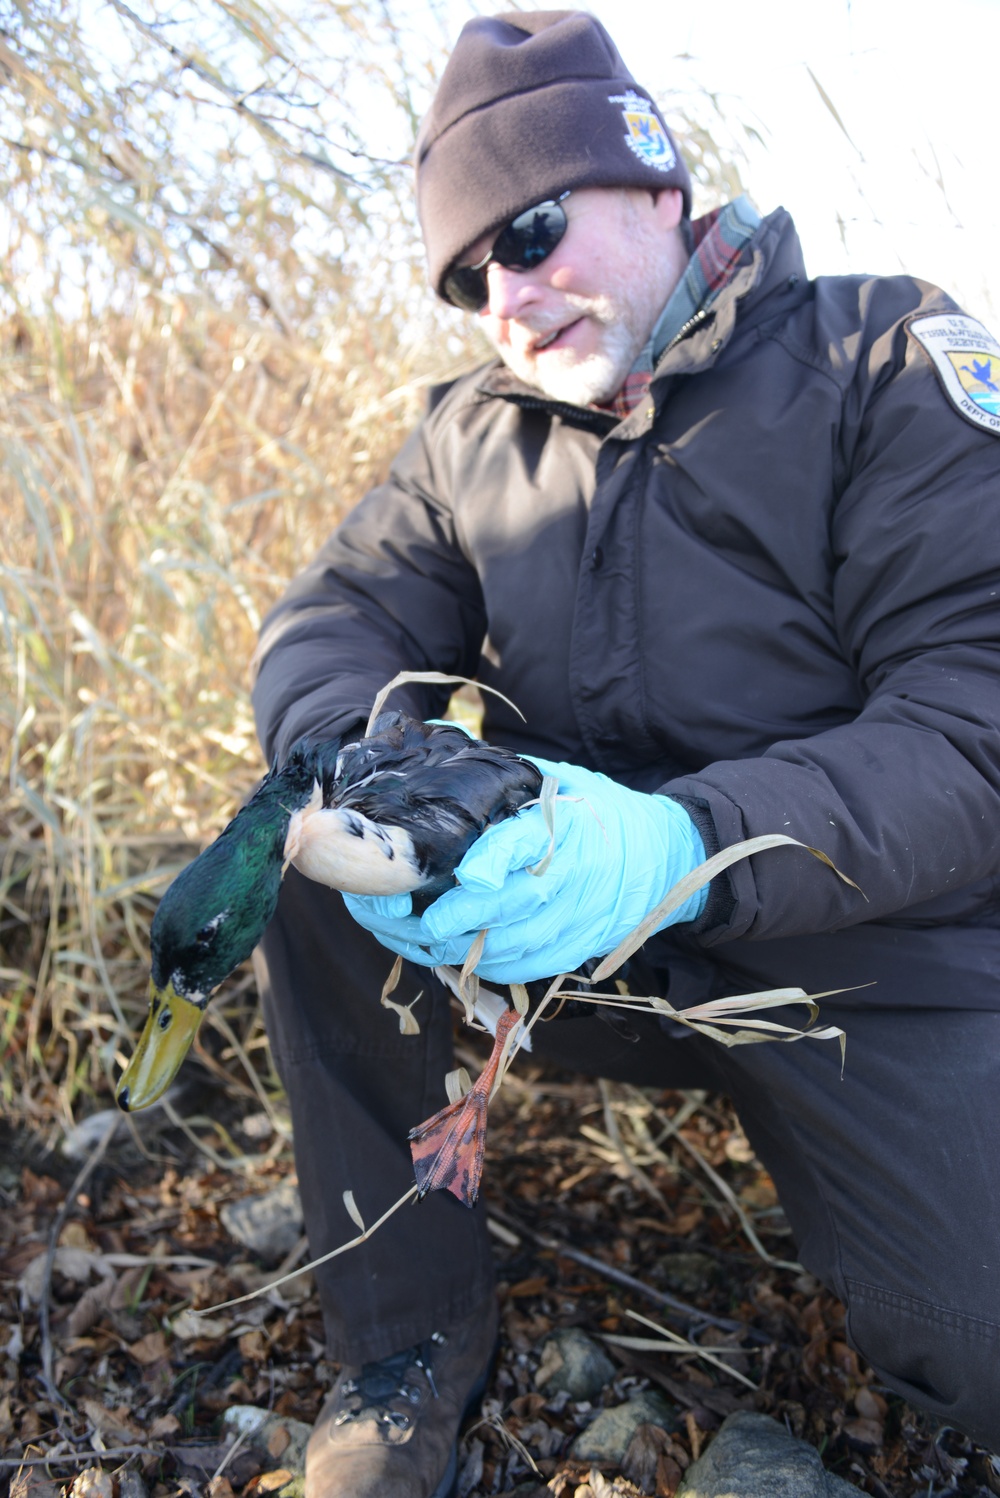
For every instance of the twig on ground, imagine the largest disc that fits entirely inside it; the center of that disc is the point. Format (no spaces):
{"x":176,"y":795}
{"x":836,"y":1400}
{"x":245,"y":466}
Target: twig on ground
{"x":671,"y":1342}
{"x":334,"y":1253}
{"x":44,"y":1319}
{"x":66,"y":1458}
{"x":682,"y":1308}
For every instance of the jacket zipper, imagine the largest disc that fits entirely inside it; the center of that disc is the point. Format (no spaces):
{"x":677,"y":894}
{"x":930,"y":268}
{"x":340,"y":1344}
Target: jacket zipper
{"x":702,"y":315}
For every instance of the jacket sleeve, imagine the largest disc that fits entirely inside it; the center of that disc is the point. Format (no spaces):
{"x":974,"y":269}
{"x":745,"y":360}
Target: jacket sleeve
{"x":389,"y":591}
{"x":906,"y":798}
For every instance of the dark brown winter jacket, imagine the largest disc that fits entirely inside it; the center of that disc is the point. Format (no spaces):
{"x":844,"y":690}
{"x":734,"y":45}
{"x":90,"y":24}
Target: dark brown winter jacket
{"x":772,"y":591}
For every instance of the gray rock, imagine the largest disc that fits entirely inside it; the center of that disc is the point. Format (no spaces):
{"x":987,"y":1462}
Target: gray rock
{"x":573,"y":1361}
{"x":269,"y":1225}
{"x":131,"y":1485}
{"x":688,"y":1273}
{"x":754,"y":1457}
{"x":606,"y":1438}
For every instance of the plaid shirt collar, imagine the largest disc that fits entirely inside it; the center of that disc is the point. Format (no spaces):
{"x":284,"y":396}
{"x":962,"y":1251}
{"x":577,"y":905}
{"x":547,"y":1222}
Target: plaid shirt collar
{"x":719,"y":238}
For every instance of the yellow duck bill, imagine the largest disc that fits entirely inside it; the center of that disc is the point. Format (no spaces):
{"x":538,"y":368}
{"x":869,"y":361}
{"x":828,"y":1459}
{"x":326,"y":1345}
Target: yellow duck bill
{"x":171,"y":1025}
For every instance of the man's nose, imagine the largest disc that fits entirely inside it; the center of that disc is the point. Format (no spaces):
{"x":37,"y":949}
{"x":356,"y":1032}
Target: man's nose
{"x":510,"y":291}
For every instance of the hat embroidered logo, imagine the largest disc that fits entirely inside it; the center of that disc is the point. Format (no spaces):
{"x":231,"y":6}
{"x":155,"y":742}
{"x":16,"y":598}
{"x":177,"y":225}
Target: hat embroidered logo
{"x":645,"y":135}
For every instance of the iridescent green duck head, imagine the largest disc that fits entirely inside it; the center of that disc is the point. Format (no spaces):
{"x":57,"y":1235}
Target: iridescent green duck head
{"x":208,"y":922}
{"x":394,"y":811}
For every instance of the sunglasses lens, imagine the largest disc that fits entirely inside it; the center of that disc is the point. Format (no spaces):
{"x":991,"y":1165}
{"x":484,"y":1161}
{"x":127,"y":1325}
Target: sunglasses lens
{"x":466,"y":288}
{"x":527,"y":241}
{"x":531,"y":237}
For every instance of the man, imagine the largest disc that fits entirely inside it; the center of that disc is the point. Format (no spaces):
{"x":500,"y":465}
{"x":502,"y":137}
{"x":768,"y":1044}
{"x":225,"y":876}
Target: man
{"x":729,"y":537}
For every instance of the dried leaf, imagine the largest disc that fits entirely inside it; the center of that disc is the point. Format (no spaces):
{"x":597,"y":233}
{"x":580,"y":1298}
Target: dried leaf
{"x":457,"y":1083}
{"x":116,"y":1424}
{"x":392,"y":982}
{"x":433,"y":678}
{"x":75,"y":1264}
{"x":90,"y":1308}
{"x":163,"y":1427}
{"x":707,"y":1018}
{"x":91,"y":1483}
{"x":152,"y":1348}
{"x":353,"y":1211}
{"x":188,"y":1324}
{"x":547,"y":802}
{"x":489,"y":1004}
{"x":519,"y":997}
{"x":408,"y":1024}
{"x":278,"y":1441}
{"x":697,"y":879}
{"x":468,"y":982}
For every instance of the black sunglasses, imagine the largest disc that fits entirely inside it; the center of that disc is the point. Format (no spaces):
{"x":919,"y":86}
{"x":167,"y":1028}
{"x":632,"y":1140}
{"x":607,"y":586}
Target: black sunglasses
{"x":524,"y":243}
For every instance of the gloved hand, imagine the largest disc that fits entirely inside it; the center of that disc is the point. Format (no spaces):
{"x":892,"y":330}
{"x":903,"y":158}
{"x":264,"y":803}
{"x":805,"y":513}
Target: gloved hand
{"x":390,"y":919}
{"x":617,"y":853}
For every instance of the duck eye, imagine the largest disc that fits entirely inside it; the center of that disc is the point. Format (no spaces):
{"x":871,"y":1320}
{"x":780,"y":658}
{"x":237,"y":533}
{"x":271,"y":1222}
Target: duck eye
{"x":204,"y":936}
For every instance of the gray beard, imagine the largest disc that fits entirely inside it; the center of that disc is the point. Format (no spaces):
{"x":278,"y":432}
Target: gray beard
{"x":583,"y":382}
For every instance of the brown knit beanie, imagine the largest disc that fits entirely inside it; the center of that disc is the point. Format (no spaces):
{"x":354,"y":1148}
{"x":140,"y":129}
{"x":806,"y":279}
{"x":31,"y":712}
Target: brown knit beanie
{"x":532,"y":103}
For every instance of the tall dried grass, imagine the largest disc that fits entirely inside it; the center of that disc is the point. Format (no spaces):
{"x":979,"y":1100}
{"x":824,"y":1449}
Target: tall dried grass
{"x":163,"y":474}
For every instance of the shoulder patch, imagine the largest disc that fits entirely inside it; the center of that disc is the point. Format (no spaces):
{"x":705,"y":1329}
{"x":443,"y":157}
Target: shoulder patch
{"x":966,"y":360}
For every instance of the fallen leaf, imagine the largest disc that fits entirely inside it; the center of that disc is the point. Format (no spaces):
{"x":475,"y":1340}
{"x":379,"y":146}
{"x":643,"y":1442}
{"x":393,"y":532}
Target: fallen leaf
{"x":149,"y":1349}
{"x":535,"y":1286}
{"x":253,"y":1346}
{"x":89,"y":1308}
{"x":278,"y":1441}
{"x":32,"y":1482}
{"x":116,"y":1424}
{"x":76,"y":1264}
{"x":188,"y":1326}
{"x":164,"y":1426}
{"x":869,"y":1405}
{"x":864,"y":1433}
{"x":91,"y":1483}
{"x":269,"y":1482}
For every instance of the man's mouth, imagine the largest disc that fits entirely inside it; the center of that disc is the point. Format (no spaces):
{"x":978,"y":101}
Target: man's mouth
{"x":550,"y":340}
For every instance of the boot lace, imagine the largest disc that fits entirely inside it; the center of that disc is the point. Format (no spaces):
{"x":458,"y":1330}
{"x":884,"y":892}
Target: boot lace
{"x":381,"y":1385}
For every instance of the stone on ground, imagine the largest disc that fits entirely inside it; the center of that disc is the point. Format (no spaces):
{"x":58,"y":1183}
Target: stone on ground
{"x":754,"y":1457}
{"x":269,"y":1225}
{"x":607,"y":1437}
{"x":573,"y":1362}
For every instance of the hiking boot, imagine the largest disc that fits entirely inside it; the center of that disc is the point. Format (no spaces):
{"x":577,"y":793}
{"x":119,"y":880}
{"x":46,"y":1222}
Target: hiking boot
{"x":390,"y":1429}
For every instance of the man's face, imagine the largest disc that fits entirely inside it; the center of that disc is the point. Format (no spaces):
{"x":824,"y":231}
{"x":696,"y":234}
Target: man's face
{"x":574,"y":325}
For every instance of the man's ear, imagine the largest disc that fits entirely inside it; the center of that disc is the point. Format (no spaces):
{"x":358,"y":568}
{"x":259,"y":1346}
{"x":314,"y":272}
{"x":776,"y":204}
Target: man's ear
{"x":669,"y":207}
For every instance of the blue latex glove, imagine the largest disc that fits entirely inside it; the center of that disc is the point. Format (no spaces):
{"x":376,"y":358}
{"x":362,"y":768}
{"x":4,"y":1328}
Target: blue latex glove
{"x":617,"y":853}
{"x":390,"y":919}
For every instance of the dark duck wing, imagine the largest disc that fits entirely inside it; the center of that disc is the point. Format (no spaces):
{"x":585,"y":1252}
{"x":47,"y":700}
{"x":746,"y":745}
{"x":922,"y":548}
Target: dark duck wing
{"x":397,"y":811}
{"x":393,"y":812}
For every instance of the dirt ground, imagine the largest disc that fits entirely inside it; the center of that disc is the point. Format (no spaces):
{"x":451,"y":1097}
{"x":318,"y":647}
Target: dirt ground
{"x":603,"y":1200}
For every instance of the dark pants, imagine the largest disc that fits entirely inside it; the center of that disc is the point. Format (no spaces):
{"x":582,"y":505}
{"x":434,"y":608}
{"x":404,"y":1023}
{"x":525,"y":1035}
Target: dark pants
{"x":890,"y":1177}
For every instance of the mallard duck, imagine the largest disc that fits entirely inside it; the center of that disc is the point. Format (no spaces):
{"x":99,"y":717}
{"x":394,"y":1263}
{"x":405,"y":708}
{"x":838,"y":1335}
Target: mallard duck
{"x":393,"y":812}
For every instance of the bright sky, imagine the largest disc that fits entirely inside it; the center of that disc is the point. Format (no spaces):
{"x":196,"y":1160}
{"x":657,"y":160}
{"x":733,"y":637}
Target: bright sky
{"x":914,"y":187}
